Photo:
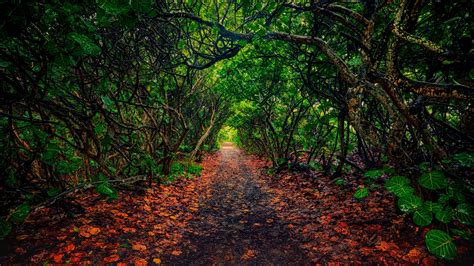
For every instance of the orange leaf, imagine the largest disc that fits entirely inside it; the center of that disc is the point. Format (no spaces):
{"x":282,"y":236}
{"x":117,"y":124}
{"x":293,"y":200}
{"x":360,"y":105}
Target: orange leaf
{"x":176,"y":252}
{"x":94,"y":231}
{"x":156,"y":261}
{"x":141,"y":262}
{"x":84,"y":234}
{"x":112,"y":258}
{"x":57,"y":258}
{"x":386,"y":246}
{"x":139,"y":247}
{"x":69,"y":248}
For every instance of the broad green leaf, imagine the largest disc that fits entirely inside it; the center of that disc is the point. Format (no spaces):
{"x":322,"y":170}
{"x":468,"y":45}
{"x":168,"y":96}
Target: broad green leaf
{"x":444,"y":198}
{"x":20,"y":213}
{"x":464,"y":159}
{"x":433,"y":180}
{"x":361,"y":193}
{"x":114,"y":7}
{"x":409,"y":203}
{"x":4,"y":64}
{"x":399,"y":185}
{"x":422,"y":217}
{"x":464,"y":212}
{"x":440,"y":244}
{"x":432,"y":206}
{"x":87,"y":45}
{"x":445,"y":215}
{"x":374,"y":173}
{"x":462,"y":233}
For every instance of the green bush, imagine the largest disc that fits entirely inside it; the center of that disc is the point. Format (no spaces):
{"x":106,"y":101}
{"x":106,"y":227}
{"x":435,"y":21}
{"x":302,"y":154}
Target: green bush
{"x":444,"y":210}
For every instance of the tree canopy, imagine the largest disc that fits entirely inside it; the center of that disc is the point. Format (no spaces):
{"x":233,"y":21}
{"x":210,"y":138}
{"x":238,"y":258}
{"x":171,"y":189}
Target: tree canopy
{"x":102,"y":94}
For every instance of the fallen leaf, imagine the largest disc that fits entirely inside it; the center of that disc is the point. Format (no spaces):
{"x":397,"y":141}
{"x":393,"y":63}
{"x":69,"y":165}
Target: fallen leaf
{"x":176,"y":252}
{"x":139,"y":247}
{"x":112,"y":258}
{"x":69,"y":248}
{"x":94,"y":231}
{"x":141,"y":262}
{"x":248,"y":254}
{"x":57,"y":258}
{"x":156,"y":261}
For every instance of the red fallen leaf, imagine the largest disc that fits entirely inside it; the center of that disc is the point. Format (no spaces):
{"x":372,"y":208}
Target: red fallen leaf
{"x":248,"y":254}
{"x":87,"y":231}
{"x":351,"y":243}
{"x":20,"y":250}
{"x":366,"y":250}
{"x":129,"y":230}
{"x":57,"y":258}
{"x":139,"y":247}
{"x":121,"y":264}
{"x":61,"y":238}
{"x":428,"y":261}
{"x":112,"y":258}
{"x":141,"y":262}
{"x":77,"y":257}
{"x":386,"y":246}
{"x":176,"y":252}
{"x":69,"y":248}
{"x":147,"y":208}
{"x":94,"y":231}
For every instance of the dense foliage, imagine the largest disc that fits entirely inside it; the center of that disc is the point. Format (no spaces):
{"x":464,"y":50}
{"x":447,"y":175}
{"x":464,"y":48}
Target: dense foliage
{"x":104,"y":94}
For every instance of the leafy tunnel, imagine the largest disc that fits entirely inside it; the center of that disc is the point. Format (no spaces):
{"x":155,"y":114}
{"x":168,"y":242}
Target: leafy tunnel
{"x":111,"y":95}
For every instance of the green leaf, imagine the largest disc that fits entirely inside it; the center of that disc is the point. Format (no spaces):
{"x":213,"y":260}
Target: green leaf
{"x":339,"y":182}
{"x":104,"y":189}
{"x":422,"y":217}
{"x":409,"y":203}
{"x":388,"y":170}
{"x":5,"y":228}
{"x":464,"y":212}
{"x":114,"y":7}
{"x":424,"y":166}
{"x":54,"y":192}
{"x":463,"y":234}
{"x":444,"y":198}
{"x":20,"y":213}
{"x":87,"y":45}
{"x":399,"y":185}
{"x":432,"y":206}
{"x":4,"y":64}
{"x":361,"y":193}
{"x":464,"y":159}
{"x":374,"y":174}
{"x":445,"y":215}
{"x":433,"y":180}
{"x":440,"y":244}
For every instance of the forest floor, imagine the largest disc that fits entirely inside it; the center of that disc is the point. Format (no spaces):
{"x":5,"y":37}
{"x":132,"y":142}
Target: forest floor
{"x":234,"y":213}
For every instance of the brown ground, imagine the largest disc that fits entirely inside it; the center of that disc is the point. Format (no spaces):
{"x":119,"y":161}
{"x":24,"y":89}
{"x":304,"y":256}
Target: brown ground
{"x":233,"y":214}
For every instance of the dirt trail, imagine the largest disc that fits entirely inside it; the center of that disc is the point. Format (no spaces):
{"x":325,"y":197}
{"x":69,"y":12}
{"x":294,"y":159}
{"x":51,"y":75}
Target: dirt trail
{"x":232,"y":214}
{"x":235,"y":223}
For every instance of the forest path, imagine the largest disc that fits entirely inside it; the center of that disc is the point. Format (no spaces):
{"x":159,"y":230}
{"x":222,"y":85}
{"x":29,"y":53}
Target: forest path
{"x":235,"y":223}
{"x":232,"y":214}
